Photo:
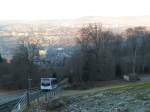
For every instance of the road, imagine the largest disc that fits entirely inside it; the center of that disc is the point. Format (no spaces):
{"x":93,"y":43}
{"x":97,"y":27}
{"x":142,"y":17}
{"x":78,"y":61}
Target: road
{"x":6,"y":96}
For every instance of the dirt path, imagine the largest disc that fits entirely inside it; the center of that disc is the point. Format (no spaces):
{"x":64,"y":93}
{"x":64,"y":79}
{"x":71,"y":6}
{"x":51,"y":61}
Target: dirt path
{"x":145,"y":78}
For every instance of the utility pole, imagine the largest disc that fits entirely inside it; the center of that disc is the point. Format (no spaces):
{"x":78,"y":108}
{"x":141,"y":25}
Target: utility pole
{"x":28,"y":92}
{"x":28,"y":75}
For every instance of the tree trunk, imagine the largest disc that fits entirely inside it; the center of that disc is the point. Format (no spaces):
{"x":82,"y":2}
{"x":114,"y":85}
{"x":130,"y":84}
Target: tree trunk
{"x":134,"y":61}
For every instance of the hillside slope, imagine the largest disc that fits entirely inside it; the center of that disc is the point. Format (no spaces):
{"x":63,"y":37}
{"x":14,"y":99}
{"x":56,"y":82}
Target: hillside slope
{"x":130,"y":98}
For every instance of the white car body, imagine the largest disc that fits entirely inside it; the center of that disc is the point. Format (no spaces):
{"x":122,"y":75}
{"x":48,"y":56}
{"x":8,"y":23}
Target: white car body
{"x":48,"y":83}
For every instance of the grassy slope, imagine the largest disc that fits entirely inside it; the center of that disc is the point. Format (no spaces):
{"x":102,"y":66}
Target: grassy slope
{"x":127,"y":86}
{"x":138,"y":92}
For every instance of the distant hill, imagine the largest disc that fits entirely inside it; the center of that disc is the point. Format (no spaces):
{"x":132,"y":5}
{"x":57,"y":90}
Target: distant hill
{"x":112,"y":21}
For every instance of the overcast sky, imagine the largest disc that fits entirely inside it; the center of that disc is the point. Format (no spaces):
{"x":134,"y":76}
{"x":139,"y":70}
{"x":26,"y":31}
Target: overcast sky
{"x":70,"y":9}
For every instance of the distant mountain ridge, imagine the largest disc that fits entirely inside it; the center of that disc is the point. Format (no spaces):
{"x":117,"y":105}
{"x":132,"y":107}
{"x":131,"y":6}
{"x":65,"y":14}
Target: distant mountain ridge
{"x":120,"y":21}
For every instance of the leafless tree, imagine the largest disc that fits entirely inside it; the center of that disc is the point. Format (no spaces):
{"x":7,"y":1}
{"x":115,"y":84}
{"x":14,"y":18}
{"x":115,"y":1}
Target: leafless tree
{"x":134,"y":39}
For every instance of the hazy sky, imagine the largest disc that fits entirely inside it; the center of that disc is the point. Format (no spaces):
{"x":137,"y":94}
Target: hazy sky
{"x":70,"y":9}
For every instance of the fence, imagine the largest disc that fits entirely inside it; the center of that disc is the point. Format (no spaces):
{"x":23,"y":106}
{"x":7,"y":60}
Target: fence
{"x":22,"y":102}
{"x":19,"y":104}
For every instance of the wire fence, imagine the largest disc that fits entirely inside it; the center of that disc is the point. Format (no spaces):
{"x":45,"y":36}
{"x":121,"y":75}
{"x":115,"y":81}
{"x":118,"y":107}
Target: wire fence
{"x":22,"y":102}
{"x":19,"y":107}
{"x":19,"y":104}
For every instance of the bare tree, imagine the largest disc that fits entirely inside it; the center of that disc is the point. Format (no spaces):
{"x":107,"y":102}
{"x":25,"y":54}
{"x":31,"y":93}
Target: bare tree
{"x":134,"y":36}
{"x":96,"y":49}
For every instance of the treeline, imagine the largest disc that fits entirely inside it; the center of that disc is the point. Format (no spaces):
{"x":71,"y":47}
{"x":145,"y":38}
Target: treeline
{"x":15,"y":74}
{"x":101,"y":55}
{"x":104,"y":55}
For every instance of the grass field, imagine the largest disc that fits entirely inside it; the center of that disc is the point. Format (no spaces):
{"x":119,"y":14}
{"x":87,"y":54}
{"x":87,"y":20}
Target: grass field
{"x":123,"y":97}
{"x":132,"y":97}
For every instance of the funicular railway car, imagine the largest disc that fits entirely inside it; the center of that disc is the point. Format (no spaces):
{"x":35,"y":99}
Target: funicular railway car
{"x":48,"y":84}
